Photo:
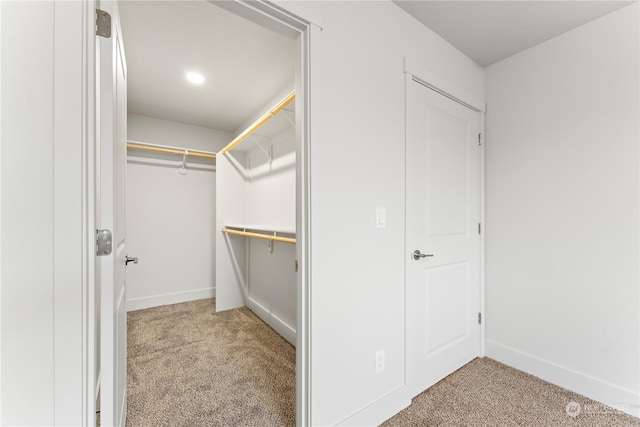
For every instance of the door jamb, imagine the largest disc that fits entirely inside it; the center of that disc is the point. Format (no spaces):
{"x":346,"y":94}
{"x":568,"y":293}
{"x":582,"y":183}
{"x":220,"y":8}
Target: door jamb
{"x":90,"y":337}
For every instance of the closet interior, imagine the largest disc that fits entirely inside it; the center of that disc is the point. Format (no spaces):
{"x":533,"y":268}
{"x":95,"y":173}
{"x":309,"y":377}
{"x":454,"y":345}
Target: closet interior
{"x":255,"y":259}
{"x":211,"y":166}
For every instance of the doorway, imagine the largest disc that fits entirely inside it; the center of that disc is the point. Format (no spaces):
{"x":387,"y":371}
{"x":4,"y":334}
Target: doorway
{"x":297,"y":30}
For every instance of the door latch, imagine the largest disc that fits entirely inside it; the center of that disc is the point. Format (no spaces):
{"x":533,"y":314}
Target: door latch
{"x":128,"y":259}
{"x":103,"y":242}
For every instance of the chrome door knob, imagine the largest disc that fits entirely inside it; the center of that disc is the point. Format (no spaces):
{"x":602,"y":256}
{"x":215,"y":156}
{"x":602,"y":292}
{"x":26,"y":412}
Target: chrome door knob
{"x":417,"y":255}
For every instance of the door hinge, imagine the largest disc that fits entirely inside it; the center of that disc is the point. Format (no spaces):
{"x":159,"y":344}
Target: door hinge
{"x":479,"y":318}
{"x":296,"y":266}
{"x":103,"y":24}
{"x":479,"y":139}
{"x":479,"y":228}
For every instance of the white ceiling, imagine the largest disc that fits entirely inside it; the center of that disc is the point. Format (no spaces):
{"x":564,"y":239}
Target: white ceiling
{"x":246,"y":66}
{"x":489,"y":31}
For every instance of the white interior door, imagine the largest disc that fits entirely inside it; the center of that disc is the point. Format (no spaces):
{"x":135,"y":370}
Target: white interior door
{"x":443,"y":284}
{"x":112,"y":117}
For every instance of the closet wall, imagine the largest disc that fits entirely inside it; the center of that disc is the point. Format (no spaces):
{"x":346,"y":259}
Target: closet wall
{"x":259,"y":194}
{"x":271,"y":200}
{"x":170,"y":217}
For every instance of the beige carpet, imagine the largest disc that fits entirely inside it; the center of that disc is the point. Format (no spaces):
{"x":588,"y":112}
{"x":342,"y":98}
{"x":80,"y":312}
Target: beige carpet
{"x":487,"y":393}
{"x":190,"y":366}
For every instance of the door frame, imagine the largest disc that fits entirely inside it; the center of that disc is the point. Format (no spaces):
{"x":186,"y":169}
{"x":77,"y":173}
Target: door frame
{"x":274,"y":18}
{"x":90,"y":325}
{"x":416,"y":71}
{"x":80,"y":130}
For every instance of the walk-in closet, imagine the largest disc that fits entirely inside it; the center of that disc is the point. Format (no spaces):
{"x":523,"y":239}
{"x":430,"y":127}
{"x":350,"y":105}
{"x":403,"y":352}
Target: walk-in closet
{"x":211,"y":170}
{"x":256,"y":212}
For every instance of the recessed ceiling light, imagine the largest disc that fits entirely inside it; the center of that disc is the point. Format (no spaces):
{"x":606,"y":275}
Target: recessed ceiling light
{"x":195,"y":78}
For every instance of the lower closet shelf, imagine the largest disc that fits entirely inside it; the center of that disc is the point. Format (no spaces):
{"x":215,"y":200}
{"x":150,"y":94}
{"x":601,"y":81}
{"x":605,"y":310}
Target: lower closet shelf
{"x":259,"y":233}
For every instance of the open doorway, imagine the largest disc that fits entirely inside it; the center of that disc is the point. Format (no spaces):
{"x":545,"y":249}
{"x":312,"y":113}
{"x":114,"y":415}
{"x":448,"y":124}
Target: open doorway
{"x":243,"y":67}
{"x":172,"y":196}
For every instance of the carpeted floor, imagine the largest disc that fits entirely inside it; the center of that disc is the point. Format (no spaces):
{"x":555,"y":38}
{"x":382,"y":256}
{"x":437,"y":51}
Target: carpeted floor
{"x":487,"y":393}
{"x":190,"y":366}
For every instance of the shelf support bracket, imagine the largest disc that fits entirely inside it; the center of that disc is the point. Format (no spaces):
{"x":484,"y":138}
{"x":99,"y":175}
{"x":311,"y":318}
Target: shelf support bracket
{"x":263,"y":150}
{"x":289,"y":118}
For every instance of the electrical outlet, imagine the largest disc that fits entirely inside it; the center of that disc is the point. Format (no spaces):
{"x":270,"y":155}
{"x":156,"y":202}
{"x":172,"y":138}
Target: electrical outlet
{"x":379,"y":361}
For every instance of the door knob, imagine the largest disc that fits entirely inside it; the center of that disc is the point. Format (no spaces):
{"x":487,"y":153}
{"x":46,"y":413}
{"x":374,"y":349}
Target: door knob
{"x":128,"y":259}
{"x":417,"y":254}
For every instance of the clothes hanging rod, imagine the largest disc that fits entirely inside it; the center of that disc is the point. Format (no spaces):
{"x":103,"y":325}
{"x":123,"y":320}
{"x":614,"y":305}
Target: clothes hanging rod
{"x":262,"y":120}
{"x":169,"y":149}
{"x":259,"y":235}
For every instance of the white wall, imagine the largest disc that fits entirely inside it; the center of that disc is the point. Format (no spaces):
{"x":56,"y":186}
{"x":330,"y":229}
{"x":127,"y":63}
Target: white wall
{"x":257,"y":194}
{"x":27,"y":293}
{"x":271,"y":189}
{"x":562,"y":194}
{"x":170,"y":217}
{"x":165,"y":132}
{"x":43,"y":240}
{"x":272,"y":291}
{"x":271,"y":200}
{"x":357,"y":147}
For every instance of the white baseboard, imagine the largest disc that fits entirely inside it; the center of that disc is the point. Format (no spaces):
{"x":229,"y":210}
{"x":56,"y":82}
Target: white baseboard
{"x":278,"y":325}
{"x":286,"y":331}
{"x":173,"y":298}
{"x":379,"y":411}
{"x":259,"y":310}
{"x":610,"y":394}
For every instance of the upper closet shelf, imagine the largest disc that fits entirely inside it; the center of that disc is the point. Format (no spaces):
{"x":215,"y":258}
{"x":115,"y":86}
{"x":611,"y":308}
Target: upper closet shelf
{"x":169,"y":149}
{"x":262,"y":120}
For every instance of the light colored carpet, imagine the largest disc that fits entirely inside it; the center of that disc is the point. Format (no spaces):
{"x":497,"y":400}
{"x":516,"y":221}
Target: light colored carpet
{"x":190,"y":366}
{"x":487,"y":393}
